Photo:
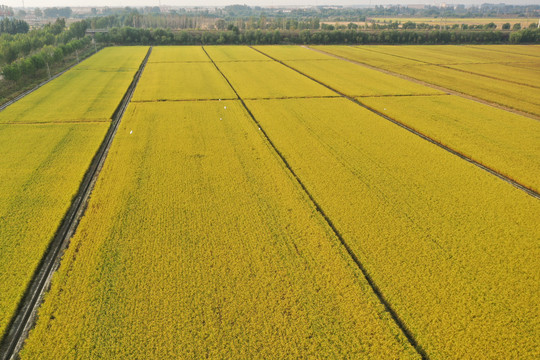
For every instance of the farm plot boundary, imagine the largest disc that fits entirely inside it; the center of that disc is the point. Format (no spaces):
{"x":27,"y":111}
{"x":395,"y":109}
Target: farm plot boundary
{"x":388,"y":307}
{"x":24,"y":319}
{"x":433,"y":86}
{"x":423,"y":136}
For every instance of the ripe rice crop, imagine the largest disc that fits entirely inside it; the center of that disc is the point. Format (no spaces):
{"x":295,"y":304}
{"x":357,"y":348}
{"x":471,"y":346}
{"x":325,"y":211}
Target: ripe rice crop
{"x":182,"y":81}
{"x":446,"y":54}
{"x":419,"y":62}
{"x":453,"y":248}
{"x":79,"y":95}
{"x":531,"y":50}
{"x":197,"y":243}
{"x":177,"y":54}
{"x":234,"y":53}
{"x":503,"y":141}
{"x":364,"y":56}
{"x":41,"y":167}
{"x":118,"y":58}
{"x":523,"y":73}
{"x":291,"y":52}
{"x":86,"y":95}
{"x":519,"y":97}
{"x":356,"y":80}
{"x":270,"y":80}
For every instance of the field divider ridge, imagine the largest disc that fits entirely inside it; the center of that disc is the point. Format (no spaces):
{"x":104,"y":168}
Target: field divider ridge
{"x":387,"y":306}
{"x":25,"y":317}
{"x":28,"y":92}
{"x":425,"y":83}
{"x":494,"y":172}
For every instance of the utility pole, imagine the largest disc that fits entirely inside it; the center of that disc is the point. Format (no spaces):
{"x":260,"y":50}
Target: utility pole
{"x":77,"y":53}
{"x":48,"y":69}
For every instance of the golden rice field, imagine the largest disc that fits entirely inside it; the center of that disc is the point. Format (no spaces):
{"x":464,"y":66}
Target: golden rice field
{"x":263,"y":203}
{"x":218,"y":256}
{"x":43,"y":158}
{"x":482,"y":72}
{"x":89,"y":92}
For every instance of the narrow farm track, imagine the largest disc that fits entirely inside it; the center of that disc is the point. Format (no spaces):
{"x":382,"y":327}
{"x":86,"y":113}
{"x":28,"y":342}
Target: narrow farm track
{"x":388,"y":307}
{"x":423,"y":136}
{"x":24,"y":319}
{"x":433,"y":86}
{"x":20,"y":96}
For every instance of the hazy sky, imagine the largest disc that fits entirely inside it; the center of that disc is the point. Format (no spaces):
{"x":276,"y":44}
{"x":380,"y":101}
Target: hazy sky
{"x":114,"y":3}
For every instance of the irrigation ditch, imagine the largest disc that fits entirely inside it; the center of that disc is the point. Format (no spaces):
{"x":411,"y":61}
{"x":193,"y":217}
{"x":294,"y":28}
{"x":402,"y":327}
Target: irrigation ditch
{"x":387,"y":306}
{"x":25,"y":317}
{"x":494,"y":172}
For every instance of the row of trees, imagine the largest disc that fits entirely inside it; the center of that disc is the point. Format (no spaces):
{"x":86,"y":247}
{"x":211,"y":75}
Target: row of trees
{"x":13,"y":26}
{"x":13,"y":47}
{"x":44,"y":58}
{"x":133,"y":36}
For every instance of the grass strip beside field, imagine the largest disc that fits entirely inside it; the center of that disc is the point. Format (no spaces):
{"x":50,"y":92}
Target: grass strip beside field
{"x":201,"y":244}
{"x":453,"y":249}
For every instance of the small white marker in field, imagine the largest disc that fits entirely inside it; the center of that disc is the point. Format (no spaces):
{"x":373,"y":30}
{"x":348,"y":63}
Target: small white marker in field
{"x":384,"y":108}
{"x":131,"y":132}
{"x":259,"y":128}
{"x":225,"y":107}
{"x":220,"y":118}
{"x":219,"y":99}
